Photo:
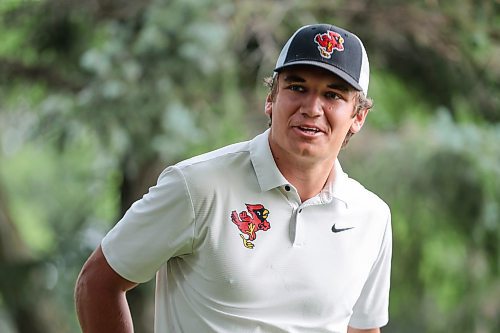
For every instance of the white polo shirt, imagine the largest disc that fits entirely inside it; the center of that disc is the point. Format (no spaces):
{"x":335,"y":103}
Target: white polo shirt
{"x":235,"y":250}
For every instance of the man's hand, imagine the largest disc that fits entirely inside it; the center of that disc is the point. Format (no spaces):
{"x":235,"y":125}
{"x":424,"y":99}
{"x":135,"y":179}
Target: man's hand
{"x":100,"y":297}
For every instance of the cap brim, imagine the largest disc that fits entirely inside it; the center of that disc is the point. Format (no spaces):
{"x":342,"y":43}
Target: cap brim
{"x":340,"y":73}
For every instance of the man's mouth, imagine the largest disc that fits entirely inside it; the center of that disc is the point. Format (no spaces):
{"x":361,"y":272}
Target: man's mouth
{"x":310,"y":130}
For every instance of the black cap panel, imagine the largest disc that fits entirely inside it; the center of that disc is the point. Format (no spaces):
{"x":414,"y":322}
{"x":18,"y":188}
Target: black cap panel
{"x":329,"y":47}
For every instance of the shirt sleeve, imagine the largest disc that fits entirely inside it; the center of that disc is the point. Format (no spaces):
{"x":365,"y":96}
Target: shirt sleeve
{"x":155,"y":228}
{"x":372,"y":307}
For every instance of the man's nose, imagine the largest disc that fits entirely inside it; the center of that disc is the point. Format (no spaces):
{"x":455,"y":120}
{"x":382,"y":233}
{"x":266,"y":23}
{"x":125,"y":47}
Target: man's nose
{"x":312,"y":105}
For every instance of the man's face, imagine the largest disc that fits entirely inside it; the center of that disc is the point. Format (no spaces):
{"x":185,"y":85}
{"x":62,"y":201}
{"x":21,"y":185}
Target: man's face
{"x":312,"y":112}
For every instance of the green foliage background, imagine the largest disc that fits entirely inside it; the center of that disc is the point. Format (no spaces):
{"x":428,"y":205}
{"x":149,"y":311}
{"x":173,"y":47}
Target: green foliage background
{"x":97,"y":97}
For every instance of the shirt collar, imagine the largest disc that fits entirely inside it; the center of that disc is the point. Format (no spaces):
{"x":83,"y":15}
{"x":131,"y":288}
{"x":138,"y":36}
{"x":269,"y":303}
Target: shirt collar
{"x":268,"y":174}
{"x":339,"y":187}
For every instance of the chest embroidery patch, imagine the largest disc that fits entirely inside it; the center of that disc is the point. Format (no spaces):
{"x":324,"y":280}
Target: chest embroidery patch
{"x":250,"y":222}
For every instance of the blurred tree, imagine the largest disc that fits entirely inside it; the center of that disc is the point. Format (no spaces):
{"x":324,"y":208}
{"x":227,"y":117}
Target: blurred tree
{"x":18,"y":283}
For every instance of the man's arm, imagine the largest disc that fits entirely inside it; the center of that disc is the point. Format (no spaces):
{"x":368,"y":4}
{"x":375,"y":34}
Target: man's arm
{"x":355,"y":330}
{"x":100,"y":299}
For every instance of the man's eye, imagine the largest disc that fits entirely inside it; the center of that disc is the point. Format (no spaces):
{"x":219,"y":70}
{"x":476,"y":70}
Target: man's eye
{"x":294,"y":87}
{"x":332,"y":95}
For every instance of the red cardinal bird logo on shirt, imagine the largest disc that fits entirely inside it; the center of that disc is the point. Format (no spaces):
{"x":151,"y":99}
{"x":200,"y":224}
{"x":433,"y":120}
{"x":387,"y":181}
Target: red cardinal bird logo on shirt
{"x":328,"y":42}
{"x":251,"y":222}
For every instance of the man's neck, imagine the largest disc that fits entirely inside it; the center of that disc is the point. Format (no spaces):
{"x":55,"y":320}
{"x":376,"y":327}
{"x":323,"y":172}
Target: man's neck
{"x":308,"y":178}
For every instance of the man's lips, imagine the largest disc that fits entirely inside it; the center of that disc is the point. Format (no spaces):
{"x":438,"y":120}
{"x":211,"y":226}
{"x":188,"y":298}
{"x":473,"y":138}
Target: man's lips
{"x":311,"y":130}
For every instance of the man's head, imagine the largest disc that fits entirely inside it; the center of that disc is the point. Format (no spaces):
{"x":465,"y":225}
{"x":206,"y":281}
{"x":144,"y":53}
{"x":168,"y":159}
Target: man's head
{"x":330,"y":49}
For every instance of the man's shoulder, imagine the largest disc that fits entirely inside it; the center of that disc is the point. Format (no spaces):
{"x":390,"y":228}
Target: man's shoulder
{"x":216,"y":157}
{"x":361,"y":195}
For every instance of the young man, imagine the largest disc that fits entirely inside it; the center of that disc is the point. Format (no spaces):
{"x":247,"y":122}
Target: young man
{"x":268,"y":235}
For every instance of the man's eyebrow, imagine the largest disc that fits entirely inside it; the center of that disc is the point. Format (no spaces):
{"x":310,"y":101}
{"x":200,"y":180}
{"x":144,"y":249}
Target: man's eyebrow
{"x":293,"y":78}
{"x":339,"y":86}
{"x":342,"y":86}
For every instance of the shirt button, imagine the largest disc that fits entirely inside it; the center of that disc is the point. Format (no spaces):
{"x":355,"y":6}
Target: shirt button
{"x":287,"y":188}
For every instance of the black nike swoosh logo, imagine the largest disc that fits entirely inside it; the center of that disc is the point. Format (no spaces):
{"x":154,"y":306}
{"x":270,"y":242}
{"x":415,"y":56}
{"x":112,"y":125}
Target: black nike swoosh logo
{"x":335,"y":230}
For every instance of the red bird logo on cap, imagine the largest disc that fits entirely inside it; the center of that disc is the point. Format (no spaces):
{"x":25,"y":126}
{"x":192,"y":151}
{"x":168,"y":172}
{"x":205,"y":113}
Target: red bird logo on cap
{"x":328,"y":42}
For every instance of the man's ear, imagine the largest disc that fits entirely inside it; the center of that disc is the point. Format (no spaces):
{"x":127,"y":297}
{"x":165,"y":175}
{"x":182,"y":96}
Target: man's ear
{"x":359,"y":120}
{"x":269,"y":105}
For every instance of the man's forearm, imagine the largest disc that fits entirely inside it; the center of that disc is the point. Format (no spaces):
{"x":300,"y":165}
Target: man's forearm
{"x":100,"y":298}
{"x":103,"y":312}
